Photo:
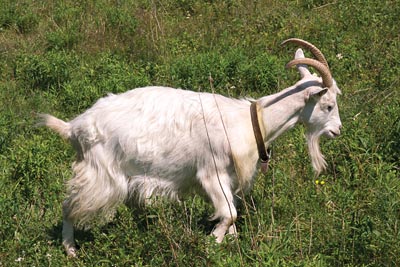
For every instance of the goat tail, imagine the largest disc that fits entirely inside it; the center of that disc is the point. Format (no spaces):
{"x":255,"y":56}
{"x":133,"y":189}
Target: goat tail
{"x":61,"y":127}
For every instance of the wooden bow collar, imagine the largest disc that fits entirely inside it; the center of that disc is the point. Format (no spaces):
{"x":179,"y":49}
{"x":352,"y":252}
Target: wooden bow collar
{"x":263,"y":152}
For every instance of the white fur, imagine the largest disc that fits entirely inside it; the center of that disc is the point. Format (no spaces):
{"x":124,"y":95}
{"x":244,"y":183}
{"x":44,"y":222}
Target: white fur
{"x":153,"y":141}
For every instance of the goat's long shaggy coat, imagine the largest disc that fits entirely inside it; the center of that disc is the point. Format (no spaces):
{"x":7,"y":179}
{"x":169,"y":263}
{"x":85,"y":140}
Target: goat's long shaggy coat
{"x":152,"y":141}
{"x":159,"y":141}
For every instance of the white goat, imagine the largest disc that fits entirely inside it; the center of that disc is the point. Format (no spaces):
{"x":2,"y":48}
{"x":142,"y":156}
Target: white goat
{"x":162,"y":141}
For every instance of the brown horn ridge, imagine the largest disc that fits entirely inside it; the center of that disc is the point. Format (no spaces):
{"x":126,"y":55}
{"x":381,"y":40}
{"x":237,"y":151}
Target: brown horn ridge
{"x":312,"y":48}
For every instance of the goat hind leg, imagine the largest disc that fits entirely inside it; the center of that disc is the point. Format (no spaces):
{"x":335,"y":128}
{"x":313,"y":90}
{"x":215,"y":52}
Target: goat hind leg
{"x":68,"y":240}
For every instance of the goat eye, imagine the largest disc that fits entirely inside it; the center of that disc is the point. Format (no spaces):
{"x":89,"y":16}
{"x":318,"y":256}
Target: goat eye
{"x":330,"y":108}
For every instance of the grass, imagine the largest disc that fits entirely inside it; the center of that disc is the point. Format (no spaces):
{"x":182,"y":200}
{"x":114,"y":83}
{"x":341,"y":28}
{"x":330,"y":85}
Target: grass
{"x":59,"y":57}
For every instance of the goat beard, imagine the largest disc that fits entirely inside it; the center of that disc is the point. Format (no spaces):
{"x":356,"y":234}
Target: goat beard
{"x":317,"y":159}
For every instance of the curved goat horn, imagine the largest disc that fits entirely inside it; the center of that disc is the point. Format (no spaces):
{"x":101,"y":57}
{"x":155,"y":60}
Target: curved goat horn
{"x":312,"y":48}
{"x":319,"y":66}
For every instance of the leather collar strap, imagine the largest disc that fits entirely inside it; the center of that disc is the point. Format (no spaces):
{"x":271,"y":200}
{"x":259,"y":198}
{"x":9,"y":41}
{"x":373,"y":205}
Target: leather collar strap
{"x":262,"y":151}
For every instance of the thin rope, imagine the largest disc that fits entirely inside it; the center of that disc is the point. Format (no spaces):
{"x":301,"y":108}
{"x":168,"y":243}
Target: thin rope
{"x":216,"y":170}
{"x":211,"y":80}
{"x":226,"y":133}
{"x":227,"y":137}
{"x":212,"y":154}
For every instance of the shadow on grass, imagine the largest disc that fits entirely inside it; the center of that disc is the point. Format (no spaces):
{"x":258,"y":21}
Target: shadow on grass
{"x":55,"y":235}
{"x":145,"y":222}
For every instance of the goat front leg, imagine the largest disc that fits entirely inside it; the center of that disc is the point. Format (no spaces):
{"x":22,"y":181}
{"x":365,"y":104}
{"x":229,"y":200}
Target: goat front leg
{"x":218,"y":190}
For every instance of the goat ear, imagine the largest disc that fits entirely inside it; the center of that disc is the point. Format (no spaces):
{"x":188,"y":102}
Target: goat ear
{"x":316,"y":92}
{"x":303,"y":70}
{"x":299,"y":54}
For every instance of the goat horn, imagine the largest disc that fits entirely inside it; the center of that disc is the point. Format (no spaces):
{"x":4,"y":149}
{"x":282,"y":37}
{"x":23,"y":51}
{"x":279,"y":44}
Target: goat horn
{"x":319,"y":66}
{"x":312,"y":48}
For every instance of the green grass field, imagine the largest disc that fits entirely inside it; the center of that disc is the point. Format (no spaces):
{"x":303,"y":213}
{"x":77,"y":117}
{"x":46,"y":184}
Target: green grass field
{"x":59,"y":57}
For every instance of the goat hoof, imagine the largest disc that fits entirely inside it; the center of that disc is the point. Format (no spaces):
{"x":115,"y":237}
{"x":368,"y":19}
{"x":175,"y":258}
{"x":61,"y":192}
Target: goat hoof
{"x":232,"y":231}
{"x":71,"y":252}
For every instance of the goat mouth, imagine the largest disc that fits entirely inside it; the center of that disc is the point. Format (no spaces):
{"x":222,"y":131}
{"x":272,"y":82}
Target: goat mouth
{"x":333,"y":134}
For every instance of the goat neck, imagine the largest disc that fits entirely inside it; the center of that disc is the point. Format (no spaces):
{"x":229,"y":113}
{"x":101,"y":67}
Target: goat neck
{"x":281,"y":111}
